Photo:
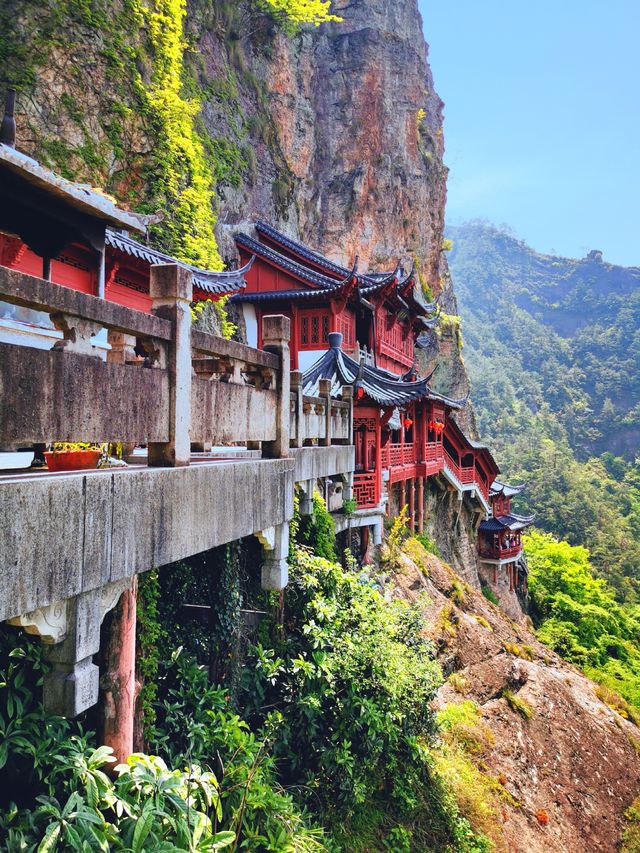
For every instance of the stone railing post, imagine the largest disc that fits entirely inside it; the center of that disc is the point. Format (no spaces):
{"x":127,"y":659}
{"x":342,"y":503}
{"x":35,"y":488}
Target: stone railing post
{"x":296,"y":388}
{"x":347,"y":396}
{"x":276,"y":330}
{"x":325,"y":392}
{"x":172,"y":292}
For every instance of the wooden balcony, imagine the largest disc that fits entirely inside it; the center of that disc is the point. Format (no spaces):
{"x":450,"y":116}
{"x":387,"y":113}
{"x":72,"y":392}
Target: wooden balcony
{"x":491,"y":553}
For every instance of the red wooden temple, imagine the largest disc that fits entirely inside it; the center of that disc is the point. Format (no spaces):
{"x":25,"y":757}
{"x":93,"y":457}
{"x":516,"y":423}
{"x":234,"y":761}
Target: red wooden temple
{"x":404,"y":432}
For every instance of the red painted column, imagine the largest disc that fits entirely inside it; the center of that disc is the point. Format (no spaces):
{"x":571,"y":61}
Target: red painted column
{"x":364,"y":544}
{"x":119,"y":680}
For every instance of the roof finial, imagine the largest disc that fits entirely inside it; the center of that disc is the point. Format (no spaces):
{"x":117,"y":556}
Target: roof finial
{"x":8,"y":126}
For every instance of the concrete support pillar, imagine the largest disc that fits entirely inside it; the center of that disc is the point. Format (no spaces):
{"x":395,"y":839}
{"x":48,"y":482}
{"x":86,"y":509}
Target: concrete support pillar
{"x":275,"y":544}
{"x":171,"y":290}
{"x":306,"y":497}
{"x":72,"y":685}
{"x":118,"y":682}
{"x":324,"y":386}
{"x":412,"y":505}
{"x":296,"y":390}
{"x":276,"y":330}
{"x":420,"y":499}
{"x":377,"y":532}
{"x":70,"y":632}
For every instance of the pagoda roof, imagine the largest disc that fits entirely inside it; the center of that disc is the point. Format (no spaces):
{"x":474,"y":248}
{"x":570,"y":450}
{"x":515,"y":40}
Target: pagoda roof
{"x":506,"y":522}
{"x":498,"y":487}
{"x":209,"y":281}
{"x":368,"y":283}
{"x":378,"y":384}
{"x":296,"y":248}
{"x":299,"y":271}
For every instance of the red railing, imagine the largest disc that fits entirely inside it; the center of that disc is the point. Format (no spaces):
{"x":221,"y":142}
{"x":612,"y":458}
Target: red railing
{"x":483,"y":488}
{"x":467,"y":475}
{"x":395,"y":455}
{"x":500,"y":553}
{"x":433,"y":451}
{"x":365,"y":491}
{"x":452,"y":464}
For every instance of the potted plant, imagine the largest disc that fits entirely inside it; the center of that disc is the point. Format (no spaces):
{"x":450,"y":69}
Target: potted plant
{"x":73,"y":456}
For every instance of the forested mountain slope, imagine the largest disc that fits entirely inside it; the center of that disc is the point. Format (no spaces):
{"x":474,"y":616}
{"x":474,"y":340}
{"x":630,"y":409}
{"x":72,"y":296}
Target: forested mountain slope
{"x":557,"y":332}
{"x":552,"y":347}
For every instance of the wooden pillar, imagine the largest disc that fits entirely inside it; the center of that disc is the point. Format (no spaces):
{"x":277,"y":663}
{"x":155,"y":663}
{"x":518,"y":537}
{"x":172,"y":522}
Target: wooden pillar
{"x":403,"y":494}
{"x":118,"y":682}
{"x":420,"y":504}
{"x":364,"y":543}
{"x":412,"y":505}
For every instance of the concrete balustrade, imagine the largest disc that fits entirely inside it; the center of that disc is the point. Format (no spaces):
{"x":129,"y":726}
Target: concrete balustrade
{"x":72,"y":544}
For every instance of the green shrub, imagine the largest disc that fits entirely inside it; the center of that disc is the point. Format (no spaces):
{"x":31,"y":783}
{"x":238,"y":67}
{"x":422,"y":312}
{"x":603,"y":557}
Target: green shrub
{"x":489,"y":594}
{"x":352,"y":680}
{"x":318,"y":530}
{"x":518,"y":704}
{"x":428,"y":544}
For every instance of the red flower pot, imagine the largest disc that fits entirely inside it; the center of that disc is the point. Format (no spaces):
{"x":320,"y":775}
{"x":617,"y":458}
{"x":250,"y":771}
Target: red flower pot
{"x":72,"y":460}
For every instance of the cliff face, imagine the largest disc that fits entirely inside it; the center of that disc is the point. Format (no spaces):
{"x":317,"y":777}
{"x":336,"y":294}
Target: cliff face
{"x":564,"y":768}
{"x":334,"y":133}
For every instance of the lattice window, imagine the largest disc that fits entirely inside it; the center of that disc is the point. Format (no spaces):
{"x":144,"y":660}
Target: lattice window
{"x":346,"y":326}
{"x":70,"y":261}
{"x":365,"y":423}
{"x":314,"y":329}
{"x":132,"y":285}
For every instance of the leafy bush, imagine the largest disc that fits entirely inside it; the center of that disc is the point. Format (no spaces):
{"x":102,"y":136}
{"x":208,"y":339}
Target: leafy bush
{"x":352,"y":680}
{"x":318,"y":530}
{"x":428,"y":544}
{"x":55,"y":793}
{"x":578,"y":616}
{"x":196,"y":722}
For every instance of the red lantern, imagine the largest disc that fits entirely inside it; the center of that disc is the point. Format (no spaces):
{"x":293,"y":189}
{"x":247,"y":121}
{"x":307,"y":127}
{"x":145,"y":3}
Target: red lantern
{"x":407,"y":423}
{"x":359,"y":393}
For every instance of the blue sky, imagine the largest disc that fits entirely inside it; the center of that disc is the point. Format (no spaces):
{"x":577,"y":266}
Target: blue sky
{"x":542,"y":118}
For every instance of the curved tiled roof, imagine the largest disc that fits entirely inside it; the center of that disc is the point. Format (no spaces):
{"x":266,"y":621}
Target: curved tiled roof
{"x":315,"y":279}
{"x":378,"y":384}
{"x":225,"y":281}
{"x":498,"y":487}
{"x":263,"y":228}
{"x":506,"y":522}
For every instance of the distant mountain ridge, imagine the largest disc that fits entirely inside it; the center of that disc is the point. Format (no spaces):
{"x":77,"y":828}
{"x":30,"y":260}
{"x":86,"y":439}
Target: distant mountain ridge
{"x":548,"y":330}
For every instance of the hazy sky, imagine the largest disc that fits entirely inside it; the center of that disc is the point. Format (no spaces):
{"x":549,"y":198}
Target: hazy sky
{"x":542,"y":118}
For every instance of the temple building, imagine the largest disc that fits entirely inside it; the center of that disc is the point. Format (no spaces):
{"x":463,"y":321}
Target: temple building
{"x":500,"y":537}
{"x":351,"y":328}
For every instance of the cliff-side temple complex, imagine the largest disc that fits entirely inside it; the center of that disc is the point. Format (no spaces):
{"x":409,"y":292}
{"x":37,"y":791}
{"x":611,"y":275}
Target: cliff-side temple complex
{"x":97,"y":344}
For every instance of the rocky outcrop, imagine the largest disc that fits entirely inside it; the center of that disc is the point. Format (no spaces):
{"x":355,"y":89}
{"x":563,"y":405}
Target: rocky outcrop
{"x":569,"y":771}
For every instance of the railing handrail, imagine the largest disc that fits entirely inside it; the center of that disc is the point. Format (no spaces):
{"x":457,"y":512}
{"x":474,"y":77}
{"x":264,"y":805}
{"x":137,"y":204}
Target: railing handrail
{"x":205,"y":342}
{"x":28,"y":291}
